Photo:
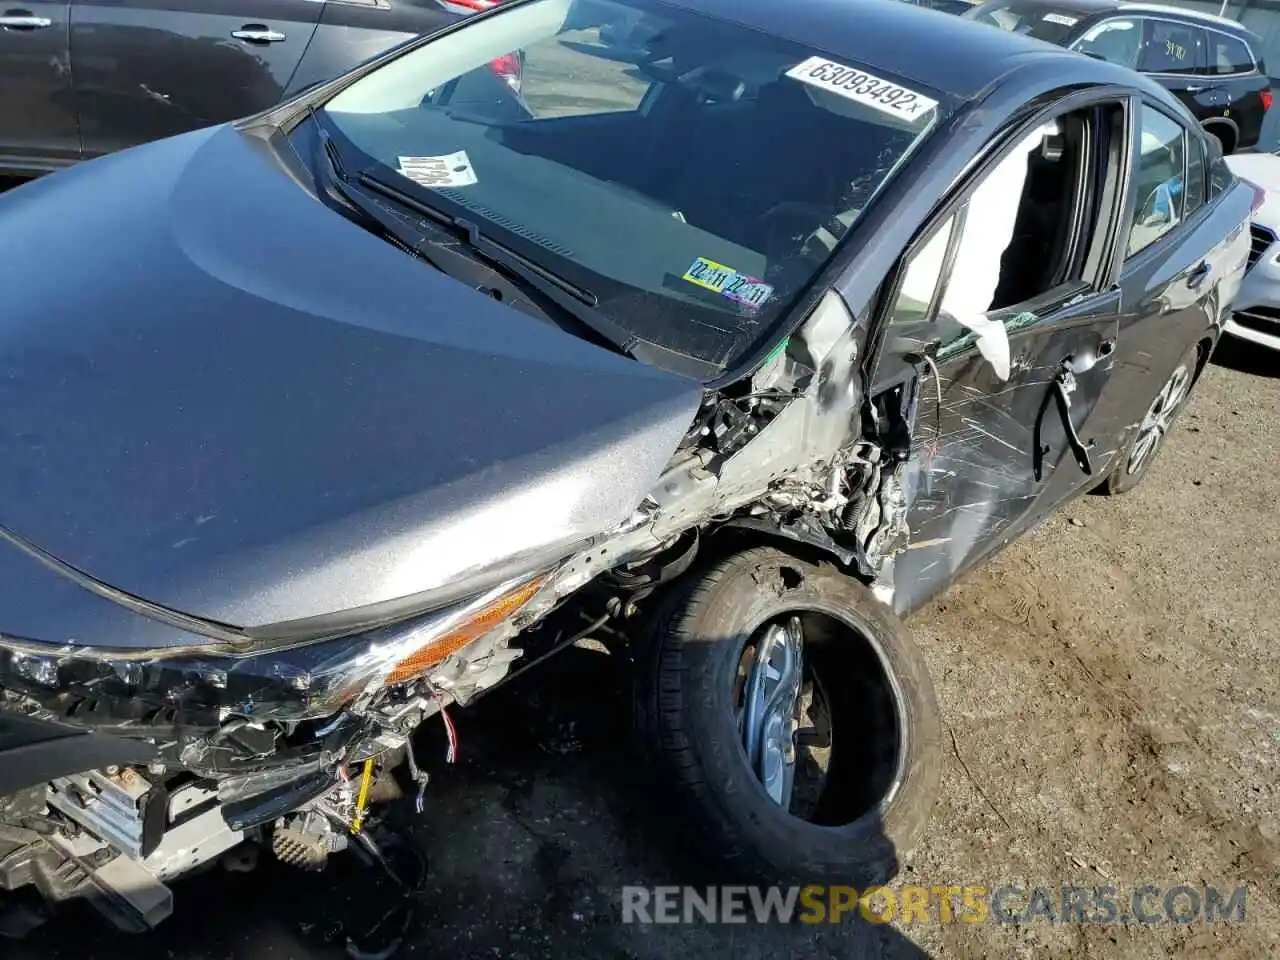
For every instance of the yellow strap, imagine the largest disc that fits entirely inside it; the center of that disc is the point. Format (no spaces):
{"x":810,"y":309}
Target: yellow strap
{"x":362,"y":798}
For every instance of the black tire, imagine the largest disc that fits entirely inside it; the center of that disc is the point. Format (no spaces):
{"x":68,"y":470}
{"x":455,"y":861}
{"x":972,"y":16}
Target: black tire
{"x":1226,"y":142}
{"x":685,"y":708}
{"x":1125,"y":476}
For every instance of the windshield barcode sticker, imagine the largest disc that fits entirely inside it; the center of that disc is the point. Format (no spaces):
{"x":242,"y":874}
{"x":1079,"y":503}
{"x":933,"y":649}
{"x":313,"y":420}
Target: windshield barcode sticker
{"x":451,"y":170}
{"x":862,"y":87}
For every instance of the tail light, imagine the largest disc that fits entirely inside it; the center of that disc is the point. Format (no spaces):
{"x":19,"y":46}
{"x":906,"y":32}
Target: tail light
{"x":510,"y":69}
{"x":468,"y":6}
{"x":1266,"y":99}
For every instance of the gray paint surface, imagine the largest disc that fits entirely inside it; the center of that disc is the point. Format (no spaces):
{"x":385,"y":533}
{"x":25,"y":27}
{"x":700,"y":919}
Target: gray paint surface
{"x":234,"y":403}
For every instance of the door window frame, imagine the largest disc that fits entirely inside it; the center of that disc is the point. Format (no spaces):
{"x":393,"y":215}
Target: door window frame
{"x":1195,"y":71}
{"x":1114,"y":201}
{"x":1124,"y":262}
{"x":1134,"y":19}
{"x":1248,"y":47}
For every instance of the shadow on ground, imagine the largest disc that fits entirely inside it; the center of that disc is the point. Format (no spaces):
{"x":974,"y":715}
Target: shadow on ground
{"x":529,"y":839}
{"x":1247,"y":357}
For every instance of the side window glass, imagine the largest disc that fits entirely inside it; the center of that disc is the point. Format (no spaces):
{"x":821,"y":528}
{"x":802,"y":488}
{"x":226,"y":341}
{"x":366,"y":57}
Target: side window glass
{"x":1228,"y":55}
{"x":1195,"y":175}
{"x":1116,"y":41}
{"x":1158,"y":179}
{"x":1171,"y":47}
{"x":920,"y":281}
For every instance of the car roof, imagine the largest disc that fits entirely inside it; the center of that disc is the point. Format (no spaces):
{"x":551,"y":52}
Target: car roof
{"x":938,"y":50}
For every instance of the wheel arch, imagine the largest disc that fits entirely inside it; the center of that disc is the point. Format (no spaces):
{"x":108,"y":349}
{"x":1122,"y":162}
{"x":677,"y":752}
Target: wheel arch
{"x":1226,"y":130}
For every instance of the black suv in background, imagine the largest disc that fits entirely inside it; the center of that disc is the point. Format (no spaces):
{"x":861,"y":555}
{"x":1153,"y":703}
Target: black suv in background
{"x":1209,"y":63}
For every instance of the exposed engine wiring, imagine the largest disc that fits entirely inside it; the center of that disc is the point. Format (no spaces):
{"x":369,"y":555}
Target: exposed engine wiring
{"x":451,"y":756}
{"x":937,"y":424}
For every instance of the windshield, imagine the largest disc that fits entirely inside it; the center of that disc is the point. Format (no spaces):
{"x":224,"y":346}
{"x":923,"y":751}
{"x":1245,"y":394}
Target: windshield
{"x":1043,"y":21}
{"x":691,"y":174}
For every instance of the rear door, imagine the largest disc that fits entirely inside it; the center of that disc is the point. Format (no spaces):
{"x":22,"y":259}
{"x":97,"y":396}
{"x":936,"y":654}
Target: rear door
{"x":1175,"y":54}
{"x":1240,"y":82}
{"x":1000,"y":327}
{"x":1182,"y":256}
{"x":37,"y":116}
{"x":146,"y":69}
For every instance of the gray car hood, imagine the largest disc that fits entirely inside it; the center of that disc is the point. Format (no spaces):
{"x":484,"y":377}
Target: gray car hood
{"x":221,"y":397}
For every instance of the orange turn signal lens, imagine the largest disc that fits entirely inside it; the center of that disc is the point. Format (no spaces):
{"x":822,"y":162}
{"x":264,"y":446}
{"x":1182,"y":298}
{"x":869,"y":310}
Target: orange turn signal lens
{"x":477,"y":625}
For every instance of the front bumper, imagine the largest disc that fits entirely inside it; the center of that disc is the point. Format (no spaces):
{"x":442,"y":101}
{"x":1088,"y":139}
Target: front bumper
{"x":33,"y":751}
{"x":1256,"y":311}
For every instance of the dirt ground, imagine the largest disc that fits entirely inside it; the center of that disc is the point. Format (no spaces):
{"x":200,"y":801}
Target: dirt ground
{"x":1111,"y":685}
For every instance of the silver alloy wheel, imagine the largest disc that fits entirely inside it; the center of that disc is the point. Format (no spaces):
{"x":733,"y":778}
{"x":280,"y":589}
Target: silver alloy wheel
{"x":769,"y":716}
{"x":1158,"y":419}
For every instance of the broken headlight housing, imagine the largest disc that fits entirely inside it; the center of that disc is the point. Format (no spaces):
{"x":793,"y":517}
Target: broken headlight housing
{"x":113,"y":686}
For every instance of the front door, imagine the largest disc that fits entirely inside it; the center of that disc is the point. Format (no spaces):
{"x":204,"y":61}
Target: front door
{"x":1002,"y":326}
{"x":37,"y":115}
{"x":147,"y":69}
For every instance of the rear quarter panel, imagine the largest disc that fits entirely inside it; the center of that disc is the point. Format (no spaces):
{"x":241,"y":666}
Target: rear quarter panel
{"x":1229,"y":255}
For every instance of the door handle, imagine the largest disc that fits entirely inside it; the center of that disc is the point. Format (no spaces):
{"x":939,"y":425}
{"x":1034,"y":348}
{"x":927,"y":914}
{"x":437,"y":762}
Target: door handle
{"x":258,"y":33}
{"x":1197,"y":275}
{"x":1193,"y":89}
{"x":23,"y":20}
{"x":1060,"y":390}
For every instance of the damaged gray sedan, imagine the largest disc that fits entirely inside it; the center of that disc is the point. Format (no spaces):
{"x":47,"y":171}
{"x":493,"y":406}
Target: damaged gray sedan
{"x":736,"y":341}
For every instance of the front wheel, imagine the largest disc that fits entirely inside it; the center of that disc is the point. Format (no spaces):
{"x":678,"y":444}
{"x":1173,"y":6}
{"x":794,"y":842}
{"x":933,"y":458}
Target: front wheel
{"x":795,"y":718}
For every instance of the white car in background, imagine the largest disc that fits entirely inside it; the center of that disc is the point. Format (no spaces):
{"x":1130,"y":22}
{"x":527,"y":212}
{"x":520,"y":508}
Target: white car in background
{"x":1256,"y":313}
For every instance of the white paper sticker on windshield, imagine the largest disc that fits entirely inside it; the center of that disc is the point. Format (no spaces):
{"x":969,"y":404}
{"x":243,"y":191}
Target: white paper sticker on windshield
{"x":451,"y":170}
{"x":1061,"y":19}
{"x":862,"y":87}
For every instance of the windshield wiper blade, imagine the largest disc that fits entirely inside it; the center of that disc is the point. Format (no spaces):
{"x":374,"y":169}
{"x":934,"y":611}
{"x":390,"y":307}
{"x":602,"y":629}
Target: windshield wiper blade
{"x":573,"y":302}
{"x":351,"y":206}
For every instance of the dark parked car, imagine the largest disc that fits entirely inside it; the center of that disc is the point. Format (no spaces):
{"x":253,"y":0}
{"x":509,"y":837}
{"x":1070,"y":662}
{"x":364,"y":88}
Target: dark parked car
{"x":743,"y":329}
{"x":81,"y":79}
{"x":1213,"y":65}
{"x":944,"y":6}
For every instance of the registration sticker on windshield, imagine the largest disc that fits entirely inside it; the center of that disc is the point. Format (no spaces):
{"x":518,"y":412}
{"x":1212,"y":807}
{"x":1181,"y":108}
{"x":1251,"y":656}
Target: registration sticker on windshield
{"x":1061,"y":19}
{"x":709,"y":275}
{"x":747,"y":290}
{"x":728,"y":282}
{"x":862,"y":87}
{"x":451,"y":170}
